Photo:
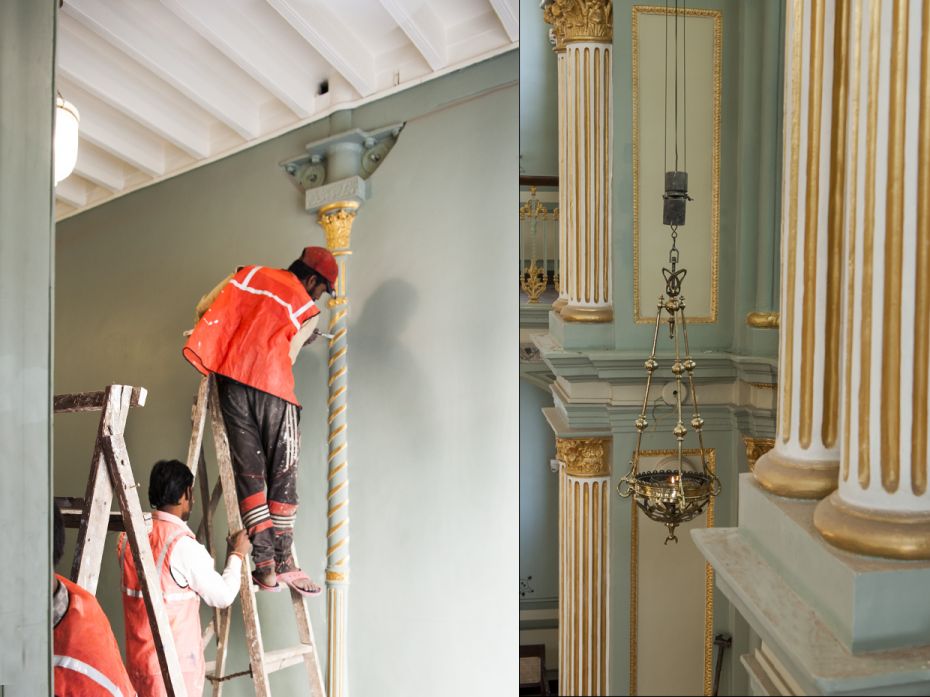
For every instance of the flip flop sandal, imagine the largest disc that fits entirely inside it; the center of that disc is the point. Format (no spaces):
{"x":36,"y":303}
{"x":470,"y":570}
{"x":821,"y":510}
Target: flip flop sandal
{"x":266,"y":587}
{"x":289,"y":577}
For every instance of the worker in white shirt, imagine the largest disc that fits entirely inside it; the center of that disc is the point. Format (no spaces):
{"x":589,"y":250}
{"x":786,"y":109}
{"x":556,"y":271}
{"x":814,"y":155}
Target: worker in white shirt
{"x":187,"y":576}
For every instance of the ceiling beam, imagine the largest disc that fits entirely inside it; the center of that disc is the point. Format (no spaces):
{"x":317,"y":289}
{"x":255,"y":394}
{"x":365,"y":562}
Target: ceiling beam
{"x":332,"y":40}
{"x":72,"y":191}
{"x":167,"y":57}
{"x":94,"y":166}
{"x":116,"y":134}
{"x":423,"y":28}
{"x":508,"y":13}
{"x":127,"y":91}
{"x":268,"y":62}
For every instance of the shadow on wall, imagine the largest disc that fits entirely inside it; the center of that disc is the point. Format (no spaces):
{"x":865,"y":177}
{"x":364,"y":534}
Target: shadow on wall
{"x":394,"y":423}
{"x":391,"y":393}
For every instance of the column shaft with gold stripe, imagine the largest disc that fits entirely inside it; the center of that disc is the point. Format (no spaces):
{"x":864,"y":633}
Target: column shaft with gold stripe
{"x":805,"y":460}
{"x":882,"y":506}
{"x":562,"y":300}
{"x":584,"y":493}
{"x":336,"y":220}
{"x":584,"y":34}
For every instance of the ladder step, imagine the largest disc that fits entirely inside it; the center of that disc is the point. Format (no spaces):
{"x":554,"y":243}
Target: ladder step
{"x":285,"y":658}
{"x":274,"y":660}
{"x":93,"y":401}
{"x":72,"y":510}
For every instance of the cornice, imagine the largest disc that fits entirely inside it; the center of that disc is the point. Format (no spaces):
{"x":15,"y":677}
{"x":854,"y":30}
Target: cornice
{"x":626,"y":367}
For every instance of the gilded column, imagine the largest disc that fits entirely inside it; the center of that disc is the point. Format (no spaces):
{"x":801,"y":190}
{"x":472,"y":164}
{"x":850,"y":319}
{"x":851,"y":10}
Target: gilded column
{"x":584,"y":484}
{"x":333,"y":176}
{"x":584,"y":34}
{"x":882,"y":506}
{"x":336,"y":220}
{"x":805,"y":460}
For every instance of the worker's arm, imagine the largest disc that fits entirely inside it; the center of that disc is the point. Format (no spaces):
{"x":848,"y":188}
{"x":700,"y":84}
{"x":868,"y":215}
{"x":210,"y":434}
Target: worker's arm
{"x":303,"y":336}
{"x":208,"y":299}
{"x":192,"y":566}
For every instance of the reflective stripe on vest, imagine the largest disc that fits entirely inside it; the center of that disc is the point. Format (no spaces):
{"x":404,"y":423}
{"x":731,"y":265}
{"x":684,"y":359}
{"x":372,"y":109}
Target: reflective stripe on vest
{"x":246,"y":333}
{"x":137,"y":592}
{"x":291,"y":312}
{"x":70,"y":663}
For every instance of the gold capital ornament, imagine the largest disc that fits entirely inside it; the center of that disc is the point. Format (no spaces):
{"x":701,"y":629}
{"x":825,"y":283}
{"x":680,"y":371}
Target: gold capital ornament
{"x":756,"y":448}
{"x":580,"y":20}
{"x":584,"y":457}
{"x":336,"y":220}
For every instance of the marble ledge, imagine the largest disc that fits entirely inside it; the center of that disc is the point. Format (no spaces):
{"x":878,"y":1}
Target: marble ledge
{"x":800,"y":639}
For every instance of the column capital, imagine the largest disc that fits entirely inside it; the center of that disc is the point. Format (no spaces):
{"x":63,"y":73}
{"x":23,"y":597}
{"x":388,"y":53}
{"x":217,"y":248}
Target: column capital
{"x":584,"y":457}
{"x":337,"y":168}
{"x":756,"y":448}
{"x":580,"y":20}
{"x":336,"y":219}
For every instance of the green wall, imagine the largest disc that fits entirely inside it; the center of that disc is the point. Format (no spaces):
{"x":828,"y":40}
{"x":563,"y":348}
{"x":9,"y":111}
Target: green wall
{"x":539,"y":122}
{"x":539,"y":499}
{"x":432,"y":372}
{"x":27,"y":99}
{"x":750,"y":176}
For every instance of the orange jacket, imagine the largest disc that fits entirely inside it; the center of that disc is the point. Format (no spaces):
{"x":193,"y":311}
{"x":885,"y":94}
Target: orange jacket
{"x":87,"y":661}
{"x":246,"y":334}
{"x":182,"y":606}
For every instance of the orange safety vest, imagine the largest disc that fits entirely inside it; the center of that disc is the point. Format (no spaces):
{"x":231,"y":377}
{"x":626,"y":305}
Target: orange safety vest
{"x":183,"y":608}
{"x":87,"y":661}
{"x":246,"y":334}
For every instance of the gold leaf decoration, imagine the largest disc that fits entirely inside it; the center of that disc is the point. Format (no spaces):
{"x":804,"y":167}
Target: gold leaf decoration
{"x":580,"y":20}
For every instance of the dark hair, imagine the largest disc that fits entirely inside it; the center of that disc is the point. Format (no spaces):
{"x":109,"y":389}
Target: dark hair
{"x":58,"y":536}
{"x":303,"y":272}
{"x":168,"y":481}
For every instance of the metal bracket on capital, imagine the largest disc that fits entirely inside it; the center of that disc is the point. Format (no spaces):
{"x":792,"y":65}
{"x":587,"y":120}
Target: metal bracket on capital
{"x":337,"y":168}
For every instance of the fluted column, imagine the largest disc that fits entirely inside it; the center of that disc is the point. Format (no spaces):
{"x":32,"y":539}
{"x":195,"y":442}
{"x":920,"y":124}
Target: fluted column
{"x":882,"y":506}
{"x":584,"y":34}
{"x":805,"y":460}
{"x":336,"y":220}
{"x":584,"y":483}
{"x":562,"y":300}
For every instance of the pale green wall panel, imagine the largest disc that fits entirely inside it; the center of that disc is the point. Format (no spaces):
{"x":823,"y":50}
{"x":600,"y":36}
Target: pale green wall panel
{"x":749,"y":180}
{"x":27,"y":98}
{"x":539,"y":498}
{"x":539,"y":123}
{"x":432,"y":371}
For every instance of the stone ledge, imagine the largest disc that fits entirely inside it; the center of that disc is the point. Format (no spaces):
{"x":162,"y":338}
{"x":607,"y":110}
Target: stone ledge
{"x":870,"y":604}
{"x":796,"y":634}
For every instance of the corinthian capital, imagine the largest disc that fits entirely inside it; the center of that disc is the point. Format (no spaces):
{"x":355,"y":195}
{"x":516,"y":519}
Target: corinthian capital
{"x":336,"y":220}
{"x":580,"y":20}
{"x":584,"y":457}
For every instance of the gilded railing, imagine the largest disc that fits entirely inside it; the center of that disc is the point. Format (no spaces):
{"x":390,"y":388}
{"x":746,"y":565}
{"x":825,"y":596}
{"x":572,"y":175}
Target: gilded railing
{"x":539,"y":245}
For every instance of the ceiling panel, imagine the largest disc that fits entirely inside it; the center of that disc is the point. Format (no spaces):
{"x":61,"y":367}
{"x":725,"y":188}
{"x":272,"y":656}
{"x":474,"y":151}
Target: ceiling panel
{"x":163,"y":86}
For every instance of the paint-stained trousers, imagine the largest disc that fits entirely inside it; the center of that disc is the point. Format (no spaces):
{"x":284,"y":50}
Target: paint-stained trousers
{"x":264,"y":441}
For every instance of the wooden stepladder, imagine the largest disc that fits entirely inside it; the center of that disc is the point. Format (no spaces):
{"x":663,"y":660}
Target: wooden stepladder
{"x":111,"y":473}
{"x":261,"y":663}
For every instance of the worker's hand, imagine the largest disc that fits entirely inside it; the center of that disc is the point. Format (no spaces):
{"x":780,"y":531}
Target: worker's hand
{"x":239,"y":542}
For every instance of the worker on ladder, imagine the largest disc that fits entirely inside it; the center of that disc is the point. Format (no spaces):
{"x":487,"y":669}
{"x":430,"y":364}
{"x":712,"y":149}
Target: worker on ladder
{"x":251,"y":328}
{"x":86,"y":659}
{"x":187,"y":576}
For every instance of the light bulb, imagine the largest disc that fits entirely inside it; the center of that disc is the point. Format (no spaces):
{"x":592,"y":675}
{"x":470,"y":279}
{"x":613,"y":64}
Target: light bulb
{"x":66,"y":138}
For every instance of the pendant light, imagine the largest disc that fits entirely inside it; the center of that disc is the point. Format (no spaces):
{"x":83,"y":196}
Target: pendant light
{"x":672,"y":496}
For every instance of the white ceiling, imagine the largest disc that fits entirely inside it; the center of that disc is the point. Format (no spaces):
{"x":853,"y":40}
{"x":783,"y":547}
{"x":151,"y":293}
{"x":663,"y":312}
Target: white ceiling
{"x":163,"y":86}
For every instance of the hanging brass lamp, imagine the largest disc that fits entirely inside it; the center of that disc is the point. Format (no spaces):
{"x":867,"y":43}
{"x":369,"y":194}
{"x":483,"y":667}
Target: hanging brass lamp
{"x":672,"y":496}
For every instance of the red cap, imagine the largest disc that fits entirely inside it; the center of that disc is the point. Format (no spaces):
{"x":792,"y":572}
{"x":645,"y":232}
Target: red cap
{"x":323,"y":262}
